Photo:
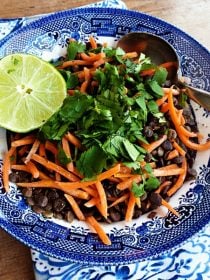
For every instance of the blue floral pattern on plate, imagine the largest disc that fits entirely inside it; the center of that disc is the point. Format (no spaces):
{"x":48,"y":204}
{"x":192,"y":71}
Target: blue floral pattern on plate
{"x":145,"y":241}
{"x":181,"y":263}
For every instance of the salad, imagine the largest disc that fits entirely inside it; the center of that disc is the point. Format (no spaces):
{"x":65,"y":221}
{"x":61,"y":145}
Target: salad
{"x":123,"y":142}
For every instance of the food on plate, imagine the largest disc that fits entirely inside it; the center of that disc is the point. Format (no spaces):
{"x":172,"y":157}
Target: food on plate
{"x":122,"y":143}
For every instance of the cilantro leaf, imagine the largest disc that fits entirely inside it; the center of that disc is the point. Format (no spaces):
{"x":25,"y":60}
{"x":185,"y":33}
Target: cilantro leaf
{"x":160,"y":75}
{"x":62,"y":157}
{"x":138,"y":189}
{"x":152,"y":183}
{"x":92,"y":161}
{"x":73,"y":48}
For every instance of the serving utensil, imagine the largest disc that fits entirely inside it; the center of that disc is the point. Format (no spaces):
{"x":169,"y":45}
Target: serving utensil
{"x":160,"y":51}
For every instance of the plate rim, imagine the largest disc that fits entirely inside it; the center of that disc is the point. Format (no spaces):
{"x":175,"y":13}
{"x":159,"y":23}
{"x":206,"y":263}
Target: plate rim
{"x":75,"y":12}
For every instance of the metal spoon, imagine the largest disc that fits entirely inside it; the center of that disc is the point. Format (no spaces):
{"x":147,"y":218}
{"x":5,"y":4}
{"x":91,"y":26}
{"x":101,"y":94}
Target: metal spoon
{"x":160,"y":51}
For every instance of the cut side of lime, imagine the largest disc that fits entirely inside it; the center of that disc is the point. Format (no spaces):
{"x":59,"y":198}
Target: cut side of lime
{"x":31,"y":91}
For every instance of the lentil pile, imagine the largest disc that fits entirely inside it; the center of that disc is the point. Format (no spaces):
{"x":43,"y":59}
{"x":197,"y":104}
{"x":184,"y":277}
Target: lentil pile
{"x":52,"y":203}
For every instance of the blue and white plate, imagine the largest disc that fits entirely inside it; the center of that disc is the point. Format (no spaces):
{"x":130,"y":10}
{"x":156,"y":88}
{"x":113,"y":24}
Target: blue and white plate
{"x":143,"y":238}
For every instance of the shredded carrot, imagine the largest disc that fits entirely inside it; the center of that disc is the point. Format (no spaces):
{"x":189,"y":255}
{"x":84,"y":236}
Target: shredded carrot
{"x":23,"y":150}
{"x":24,"y":141}
{"x":55,"y":167}
{"x":164,"y":107}
{"x":119,"y":200}
{"x":163,"y":186}
{"x":73,"y":140}
{"x":92,"y":202}
{"x":20,"y":167}
{"x":93,"y":42}
{"x":180,"y":129}
{"x":130,"y":207}
{"x":167,"y":172}
{"x":33,"y":150}
{"x":110,"y":172}
{"x":181,"y":151}
{"x":78,"y":193}
{"x":45,"y":183}
{"x":51,"y":147}
{"x":99,"y":230}
{"x":180,"y":179}
{"x":6,"y":167}
{"x":33,"y":169}
{"x":93,"y":57}
{"x":75,"y":207}
{"x":42,"y":151}
{"x":152,"y":146}
{"x":130,"y":55}
{"x":69,"y":63}
{"x":172,"y":154}
{"x":128,"y":183}
{"x":170,"y":208}
{"x":102,"y":196}
{"x":161,"y":100}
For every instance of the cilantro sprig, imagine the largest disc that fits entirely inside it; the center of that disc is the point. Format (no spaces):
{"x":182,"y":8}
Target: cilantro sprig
{"x":109,"y":120}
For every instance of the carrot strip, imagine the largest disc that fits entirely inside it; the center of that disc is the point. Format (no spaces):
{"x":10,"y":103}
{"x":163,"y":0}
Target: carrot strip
{"x":172,"y":154}
{"x":51,"y":147}
{"x":161,"y":100}
{"x":99,"y":62}
{"x":84,"y":86}
{"x":195,"y":146}
{"x":73,"y":140}
{"x":163,"y":186}
{"x":6,"y":167}
{"x":99,"y":230}
{"x":42,"y":175}
{"x":138,"y":201}
{"x":174,"y":90}
{"x":78,"y":193}
{"x":73,"y":63}
{"x":92,"y":202}
{"x":130,"y":207}
{"x":180,"y":129}
{"x":75,"y":207}
{"x":128,"y":183}
{"x":102,"y":196}
{"x":33,"y":169}
{"x":170,"y":208}
{"x":45,"y":183}
{"x":130,"y":55}
{"x":92,"y":191}
{"x":23,"y":141}
{"x":181,"y":151}
{"x":110,"y":172}
{"x":20,"y":167}
{"x":94,"y":57}
{"x":33,"y":150}
{"x":152,"y":146}
{"x":119,"y":200}
{"x":168,"y":172}
{"x":180,"y":179}
{"x":42,"y":151}
{"x":55,"y":167}
{"x":164,"y":108}
{"x":23,"y":150}
{"x":92,"y":42}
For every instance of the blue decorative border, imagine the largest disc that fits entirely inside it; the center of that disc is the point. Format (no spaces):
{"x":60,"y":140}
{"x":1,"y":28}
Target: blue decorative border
{"x":132,"y":243}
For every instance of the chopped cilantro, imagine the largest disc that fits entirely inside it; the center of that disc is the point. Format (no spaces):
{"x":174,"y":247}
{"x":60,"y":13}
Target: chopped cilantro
{"x":138,"y":189}
{"x":109,"y":120}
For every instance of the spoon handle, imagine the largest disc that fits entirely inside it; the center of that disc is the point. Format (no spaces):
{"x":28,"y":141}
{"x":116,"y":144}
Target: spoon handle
{"x":200,"y":96}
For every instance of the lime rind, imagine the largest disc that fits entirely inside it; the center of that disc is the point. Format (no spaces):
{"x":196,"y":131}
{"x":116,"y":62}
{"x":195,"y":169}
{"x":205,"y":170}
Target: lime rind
{"x":31,"y":91}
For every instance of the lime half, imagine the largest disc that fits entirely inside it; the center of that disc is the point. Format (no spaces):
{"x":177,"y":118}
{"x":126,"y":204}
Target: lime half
{"x":31,"y":91}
